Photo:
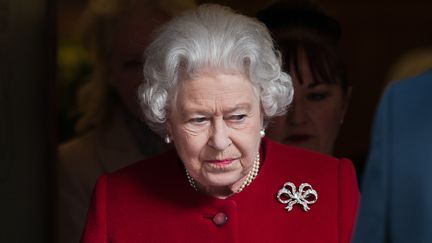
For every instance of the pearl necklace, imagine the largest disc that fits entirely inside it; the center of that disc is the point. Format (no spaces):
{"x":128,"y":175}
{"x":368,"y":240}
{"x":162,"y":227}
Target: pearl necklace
{"x":250,"y":177}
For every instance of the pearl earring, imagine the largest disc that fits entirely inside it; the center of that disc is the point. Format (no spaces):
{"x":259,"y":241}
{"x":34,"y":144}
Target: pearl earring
{"x":262,"y":133}
{"x":167,"y":139}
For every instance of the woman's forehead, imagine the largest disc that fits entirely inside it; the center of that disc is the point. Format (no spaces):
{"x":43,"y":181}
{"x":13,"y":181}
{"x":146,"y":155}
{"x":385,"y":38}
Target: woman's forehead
{"x":230,"y":91}
{"x":211,"y":108}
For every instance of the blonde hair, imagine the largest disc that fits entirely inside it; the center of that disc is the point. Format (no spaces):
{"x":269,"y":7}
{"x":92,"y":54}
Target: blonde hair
{"x":96,"y":97}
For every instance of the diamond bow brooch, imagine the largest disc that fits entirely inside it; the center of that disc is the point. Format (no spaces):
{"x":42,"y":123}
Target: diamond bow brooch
{"x":289,"y":195}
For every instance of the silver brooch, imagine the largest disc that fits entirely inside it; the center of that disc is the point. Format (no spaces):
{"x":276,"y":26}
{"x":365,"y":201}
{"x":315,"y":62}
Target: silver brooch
{"x":290,"y":196}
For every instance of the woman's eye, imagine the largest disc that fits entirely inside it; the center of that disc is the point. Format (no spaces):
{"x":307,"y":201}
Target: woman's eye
{"x":240,"y":117}
{"x":198,"y":120}
{"x":316,"y":96}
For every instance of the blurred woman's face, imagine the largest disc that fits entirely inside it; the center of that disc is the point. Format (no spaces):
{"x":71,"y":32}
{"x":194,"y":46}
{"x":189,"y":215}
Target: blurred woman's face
{"x":215,"y":125}
{"x":315,"y":115}
{"x":131,"y":35}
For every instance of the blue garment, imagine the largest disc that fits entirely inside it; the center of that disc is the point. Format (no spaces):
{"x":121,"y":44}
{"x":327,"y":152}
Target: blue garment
{"x":396,"y":204}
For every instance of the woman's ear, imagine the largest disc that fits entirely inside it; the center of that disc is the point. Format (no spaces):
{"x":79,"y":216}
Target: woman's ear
{"x":168,"y":123}
{"x":346,"y":101}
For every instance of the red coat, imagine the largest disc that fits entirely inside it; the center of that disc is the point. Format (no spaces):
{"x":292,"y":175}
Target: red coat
{"x":151,"y":201}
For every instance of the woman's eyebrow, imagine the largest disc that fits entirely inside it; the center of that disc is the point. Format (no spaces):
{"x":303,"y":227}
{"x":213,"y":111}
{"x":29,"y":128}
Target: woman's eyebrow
{"x":244,"y":106}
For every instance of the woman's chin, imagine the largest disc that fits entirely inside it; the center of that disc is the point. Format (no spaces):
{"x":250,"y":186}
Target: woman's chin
{"x":224,"y":179}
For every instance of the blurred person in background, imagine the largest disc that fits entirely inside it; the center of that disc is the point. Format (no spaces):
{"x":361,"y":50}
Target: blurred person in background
{"x":308,"y":39}
{"x":396,"y":204}
{"x":410,"y":63}
{"x":110,"y":130}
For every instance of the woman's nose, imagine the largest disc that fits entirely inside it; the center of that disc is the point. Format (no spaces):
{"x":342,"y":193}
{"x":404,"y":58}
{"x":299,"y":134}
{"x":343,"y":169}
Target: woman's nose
{"x":219,"y":137}
{"x":297,"y":113}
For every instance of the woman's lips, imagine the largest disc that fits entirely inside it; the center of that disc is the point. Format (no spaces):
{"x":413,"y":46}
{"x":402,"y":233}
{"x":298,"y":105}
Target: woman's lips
{"x":298,"y":138}
{"x":220,"y":161}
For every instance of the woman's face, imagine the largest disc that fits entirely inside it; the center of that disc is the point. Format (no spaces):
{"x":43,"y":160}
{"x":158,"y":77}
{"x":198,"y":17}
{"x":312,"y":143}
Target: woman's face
{"x":315,"y":115}
{"x":215,"y":125}
{"x":130,"y":37}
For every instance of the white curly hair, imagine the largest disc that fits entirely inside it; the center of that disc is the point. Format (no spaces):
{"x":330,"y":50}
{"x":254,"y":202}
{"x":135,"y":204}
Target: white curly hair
{"x":211,"y":37}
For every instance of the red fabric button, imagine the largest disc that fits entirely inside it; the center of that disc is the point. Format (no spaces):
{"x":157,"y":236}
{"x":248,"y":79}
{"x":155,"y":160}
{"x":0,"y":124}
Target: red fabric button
{"x":220,"y":219}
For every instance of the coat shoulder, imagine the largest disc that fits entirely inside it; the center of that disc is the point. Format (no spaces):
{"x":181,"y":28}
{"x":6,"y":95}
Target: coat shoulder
{"x":303,"y":158}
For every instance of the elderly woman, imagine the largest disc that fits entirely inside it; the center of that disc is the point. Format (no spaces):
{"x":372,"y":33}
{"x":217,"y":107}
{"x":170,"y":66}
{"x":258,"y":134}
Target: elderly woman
{"x":212,"y":81}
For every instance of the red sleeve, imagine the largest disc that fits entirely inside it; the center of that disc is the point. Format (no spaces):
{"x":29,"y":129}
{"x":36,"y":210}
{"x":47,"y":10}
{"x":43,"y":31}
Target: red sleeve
{"x":95,"y":230}
{"x":349,"y":197}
